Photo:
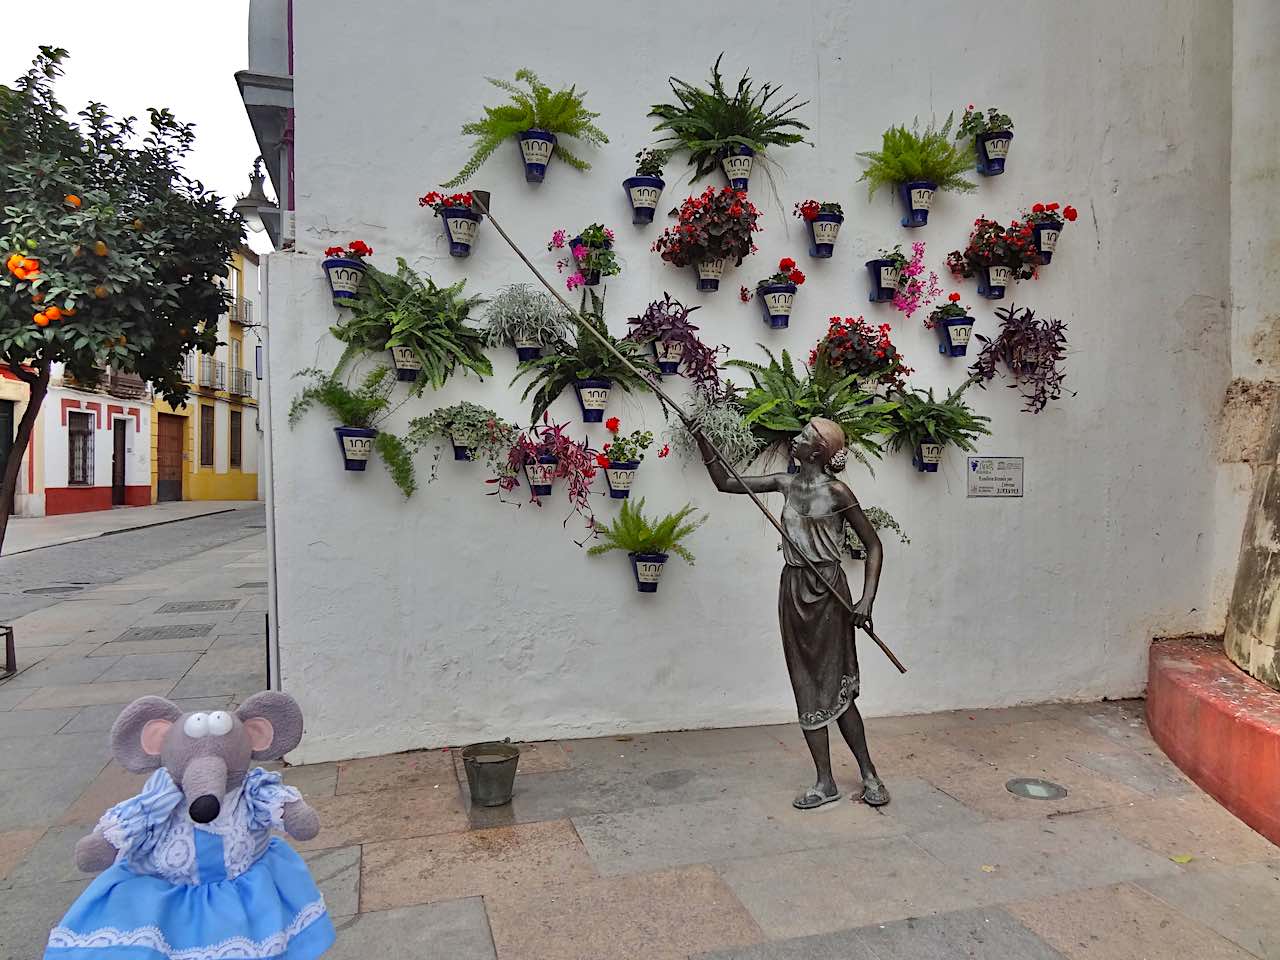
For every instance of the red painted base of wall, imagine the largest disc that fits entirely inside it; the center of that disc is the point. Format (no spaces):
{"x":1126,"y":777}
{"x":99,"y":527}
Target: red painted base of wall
{"x":59,"y":500}
{"x":1220,"y":726}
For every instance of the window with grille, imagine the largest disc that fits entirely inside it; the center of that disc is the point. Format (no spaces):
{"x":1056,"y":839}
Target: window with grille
{"x":206,"y":435}
{"x":235,"y":437}
{"x":80,"y":449}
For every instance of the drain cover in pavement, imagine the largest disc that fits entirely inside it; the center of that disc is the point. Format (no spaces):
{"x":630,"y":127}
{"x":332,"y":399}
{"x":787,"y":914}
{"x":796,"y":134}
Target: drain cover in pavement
{"x":40,"y":591}
{"x":253,"y":585}
{"x":1033,"y":789}
{"x":170,"y":631}
{"x":198,"y":606}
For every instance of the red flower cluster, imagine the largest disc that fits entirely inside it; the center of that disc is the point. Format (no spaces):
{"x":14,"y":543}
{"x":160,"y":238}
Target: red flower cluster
{"x":744,"y":294}
{"x":437,"y":201}
{"x":1043,"y":212}
{"x":613,"y":424}
{"x":954,"y":298}
{"x":787,"y":273}
{"x":852,"y":346}
{"x":808,"y":210}
{"x":356,"y":249}
{"x":717,"y":223}
{"x":993,"y":245}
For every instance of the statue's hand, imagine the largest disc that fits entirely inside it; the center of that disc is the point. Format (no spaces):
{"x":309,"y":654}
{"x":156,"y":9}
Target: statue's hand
{"x":862,"y":614}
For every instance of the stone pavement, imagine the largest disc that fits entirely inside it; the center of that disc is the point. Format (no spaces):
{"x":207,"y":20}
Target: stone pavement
{"x":34,"y":533}
{"x":661,"y":847}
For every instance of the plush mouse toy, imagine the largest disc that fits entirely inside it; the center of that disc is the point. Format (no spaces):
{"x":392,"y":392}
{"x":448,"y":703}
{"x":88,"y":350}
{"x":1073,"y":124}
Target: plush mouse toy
{"x":191,"y":869}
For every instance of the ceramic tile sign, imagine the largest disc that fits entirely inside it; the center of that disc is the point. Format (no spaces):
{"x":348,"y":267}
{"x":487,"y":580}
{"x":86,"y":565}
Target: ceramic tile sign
{"x":995,"y":476}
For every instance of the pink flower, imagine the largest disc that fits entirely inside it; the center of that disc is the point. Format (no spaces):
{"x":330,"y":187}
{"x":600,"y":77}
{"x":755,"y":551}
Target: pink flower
{"x":557,"y":240}
{"x":608,"y":233}
{"x":580,"y":252}
{"x":575,"y":280}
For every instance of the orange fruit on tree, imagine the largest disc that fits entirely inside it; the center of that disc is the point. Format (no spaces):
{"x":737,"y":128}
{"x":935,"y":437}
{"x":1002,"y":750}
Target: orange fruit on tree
{"x":37,"y":298}
{"x":14,"y":261}
{"x":29,"y":264}
{"x":71,"y":200}
{"x":69,"y":312}
{"x":100,"y":248}
{"x":100,"y":292}
{"x":20,"y":273}
{"x":41,"y":320}
{"x":53,"y":313}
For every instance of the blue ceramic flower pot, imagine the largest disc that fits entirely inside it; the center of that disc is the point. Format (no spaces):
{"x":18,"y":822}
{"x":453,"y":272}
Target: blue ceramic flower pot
{"x":643,"y":193}
{"x":356,"y":444}
{"x":917,"y":198}
{"x":461,"y":451}
{"x":737,"y":161}
{"x":993,"y":280}
{"x":647,"y":568}
{"x":956,"y":332}
{"x":536,"y":147}
{"x":407,"y":364}
{"x":345,"y":276}
{"x":776,"y":301}
{"x":822,"y":234}
{"x":460,"y":225}
{"x":709,"y":274}
{"x":992,"y":148}
{"x":1046,"y":239}
{"x":885,"y":276}
{"x":593,"y":397}
{"x":541,"y":475}
{"x":926,"y":457}
{"x":668,"y":353}
{"x":527,"y":351}
{"x":619,"y":475}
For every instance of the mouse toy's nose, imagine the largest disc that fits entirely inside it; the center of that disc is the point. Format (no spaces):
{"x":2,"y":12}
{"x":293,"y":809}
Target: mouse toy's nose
{"x":205,"y":809}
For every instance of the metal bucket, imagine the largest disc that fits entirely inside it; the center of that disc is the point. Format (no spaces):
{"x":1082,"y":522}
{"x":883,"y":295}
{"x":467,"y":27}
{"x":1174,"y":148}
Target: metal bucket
{"x":491,"y":772}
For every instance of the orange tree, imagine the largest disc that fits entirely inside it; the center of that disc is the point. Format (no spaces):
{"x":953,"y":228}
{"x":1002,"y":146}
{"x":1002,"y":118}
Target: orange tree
{"x":110,"y":256}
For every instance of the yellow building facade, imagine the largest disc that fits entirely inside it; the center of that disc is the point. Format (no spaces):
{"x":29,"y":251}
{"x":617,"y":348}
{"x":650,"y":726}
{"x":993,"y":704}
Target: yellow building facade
{"x":210,"y":448}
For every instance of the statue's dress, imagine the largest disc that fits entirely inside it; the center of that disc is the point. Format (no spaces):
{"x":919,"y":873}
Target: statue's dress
{"x":817,"y":631}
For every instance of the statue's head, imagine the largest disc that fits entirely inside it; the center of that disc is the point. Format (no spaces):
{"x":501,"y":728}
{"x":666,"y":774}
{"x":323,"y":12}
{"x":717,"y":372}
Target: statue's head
{"x":821,"y":442}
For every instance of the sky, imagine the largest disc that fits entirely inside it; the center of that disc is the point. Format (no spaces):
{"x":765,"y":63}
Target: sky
{"x":137,"y":54}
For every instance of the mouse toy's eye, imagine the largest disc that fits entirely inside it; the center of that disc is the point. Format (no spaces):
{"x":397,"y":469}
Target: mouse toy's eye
{"x":219,"y":723}
{"x":196,"y":726}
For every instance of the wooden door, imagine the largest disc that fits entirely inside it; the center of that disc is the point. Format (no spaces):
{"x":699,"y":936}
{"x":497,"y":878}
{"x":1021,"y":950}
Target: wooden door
{"x":169,"y":457}
{"x":119,"y":455}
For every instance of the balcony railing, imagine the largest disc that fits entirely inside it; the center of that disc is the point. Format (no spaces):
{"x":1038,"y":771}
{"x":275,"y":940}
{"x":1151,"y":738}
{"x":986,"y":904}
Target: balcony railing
{"x":128,"y":386}
{"x":241,"y":382}
{"x":189,"y":368}
{"x":242,"y":311}
{"x":213,"y":373}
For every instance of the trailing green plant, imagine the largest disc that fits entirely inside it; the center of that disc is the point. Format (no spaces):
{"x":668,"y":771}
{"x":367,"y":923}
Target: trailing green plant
{"x":920,"y":418}
{"x":907,"y":155}
{"x":780,"y":403}
{"x":975,"y":122}
{"x":539,"y":108}
{"x":406,"y":310}
{"x":651,"y":161}
{"x":366,"y":406}
{"x":487,"y":435}
{"x":521,"y":313}
{"x":633,"y":532}
{"x":720,"y":421}
{"x":708,"y":121}
{"x":584,"y":357}
{"x":880,"y":519}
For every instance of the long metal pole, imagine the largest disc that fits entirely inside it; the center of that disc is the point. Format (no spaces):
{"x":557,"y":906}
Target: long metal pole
{"x":480,"y":202}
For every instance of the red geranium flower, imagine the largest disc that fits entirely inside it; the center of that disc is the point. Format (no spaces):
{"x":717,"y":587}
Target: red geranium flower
{"x":1038,"y":208}
{"x":955,"y":297}
{"x":744,"y":295}
{"x":1069,"y":212}
{"x":360,"y":249}
{"x":1051,"y":206}
{"x":602,"y":460}
{"x":795,"y":276}
{"x":612,"y":424}
{"x":334,"y":251}
{"x":664,"y":451}
{"x":786,"y":264}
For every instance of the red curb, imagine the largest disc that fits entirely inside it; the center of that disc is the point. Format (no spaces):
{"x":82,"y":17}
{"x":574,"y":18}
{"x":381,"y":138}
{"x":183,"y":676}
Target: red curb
{"x":1220,"y":726}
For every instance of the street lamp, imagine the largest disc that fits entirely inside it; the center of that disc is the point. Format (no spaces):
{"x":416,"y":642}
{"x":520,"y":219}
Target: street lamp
{"x":256,"y":209}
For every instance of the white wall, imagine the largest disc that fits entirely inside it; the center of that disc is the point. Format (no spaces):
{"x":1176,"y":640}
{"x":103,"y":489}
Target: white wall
{"x":55,"y":447}
{"x":454,"y":617}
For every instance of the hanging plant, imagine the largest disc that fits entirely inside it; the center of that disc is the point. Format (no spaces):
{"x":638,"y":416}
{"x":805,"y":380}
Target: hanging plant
{"x":1046,"y":226}
{"x":583,"y":363}
{"x":474,"y":432}
{"x":990,"y":133}
{"x":621,"y":457}
{"x":880,"y":519}
{"x":359,"y":412}
{"x":712,"y":229}
{"x":545,"y":453}
{"x":345,"y":269}
{"x":718,"y":129}
{"x":526,"y":319}
{"x":645,"y":188}
{"x":649,"y":542}
{"x":926,"y":426}
{"x":536,"y":117}
{"x":720,"y":420}
{"x":460,"y":221}
{"x":997,"y":256}
{"x":822,"y":219}
{"x":777,"y":293}
{"x":590,"y":254}
{"x":853,"y":348}
{"x":885,"y":271}
{"x":954,"y":324}
{"x":917,"y":164}
{"x":423,"y":325}
{"x":665,"y":326}
{"x":915,"y":289}
{"x":1032,"y":351}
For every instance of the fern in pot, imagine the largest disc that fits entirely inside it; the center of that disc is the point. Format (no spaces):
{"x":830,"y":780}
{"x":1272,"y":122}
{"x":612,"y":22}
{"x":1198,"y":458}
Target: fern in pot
{"x":537,"y":118}
{"x":648,"y":541}
{"x":927,"y":426}
{"x":526,"y":319}
{"x":474,"y":432}
{"x":916,"y":164}
{"x":359,"y":411}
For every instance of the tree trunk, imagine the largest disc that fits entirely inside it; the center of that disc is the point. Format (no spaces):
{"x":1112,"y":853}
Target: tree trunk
{"x":39,"y":384}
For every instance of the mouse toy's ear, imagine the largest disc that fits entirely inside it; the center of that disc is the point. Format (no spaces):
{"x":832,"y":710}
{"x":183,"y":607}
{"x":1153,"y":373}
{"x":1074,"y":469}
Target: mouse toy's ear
{"x":138,"y":735}
{"x":274,"y":723}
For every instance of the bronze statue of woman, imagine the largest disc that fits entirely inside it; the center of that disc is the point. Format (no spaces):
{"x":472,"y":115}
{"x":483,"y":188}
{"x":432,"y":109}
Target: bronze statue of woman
{"x":817,"y":630}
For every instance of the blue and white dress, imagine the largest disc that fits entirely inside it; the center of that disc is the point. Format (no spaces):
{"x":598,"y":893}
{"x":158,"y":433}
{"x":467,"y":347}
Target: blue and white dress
{"x":179,"y":890}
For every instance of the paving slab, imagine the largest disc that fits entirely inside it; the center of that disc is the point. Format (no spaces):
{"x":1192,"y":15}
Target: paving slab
{"x":385,"y":815}
{"x":88,"y":694}
{"x":75,"y":750}
{"x":1238,"y":903}
{"x":150,"y":666}
{"x":116,"y":648}
{"x":10,"y":697}
{"x":112,"y":785}
{"x":313,"y":779}
{"x":476,"y":863}
{"x":458,"y":929}
{"x":62,"y":672}
{"x":27,"y":914}
{"x":51,"y":860}
{"x":31,"y":798}
{"x":1148,"y":772}
{"x":211,"y":684}
{"x":984,"y":934}
{"x":14,"y":847}
{"x":842,"y":945}
{"x":1120,"y":922}
{"x":337,"y":874}
{"x":658,"y":916}
{"x":421,"y":768}
{"x":99,"y":717}
{"x":26,"y":723}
